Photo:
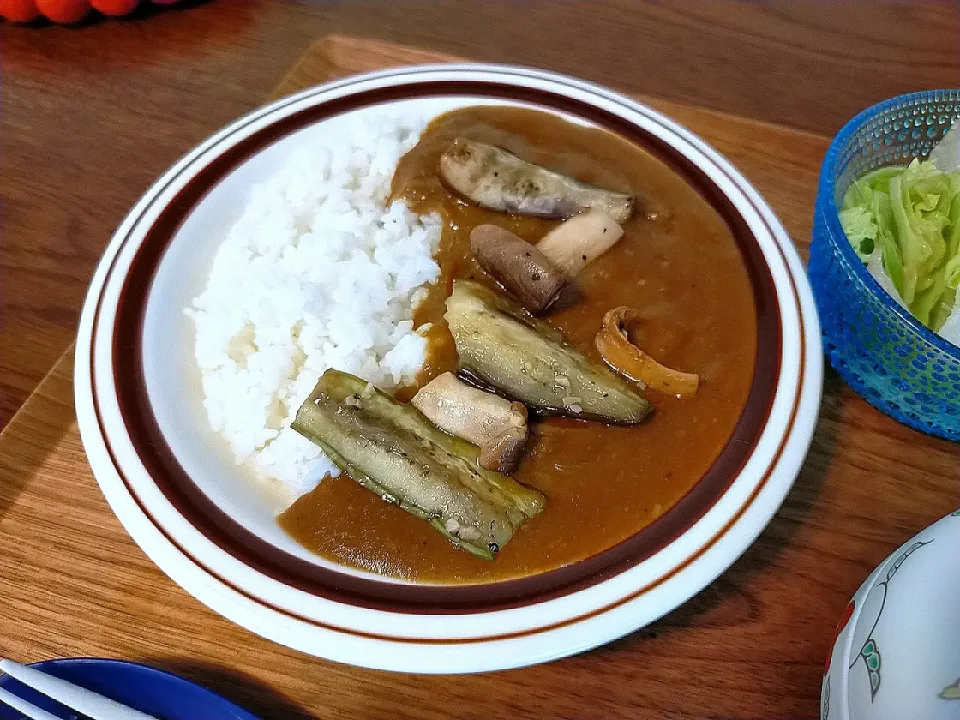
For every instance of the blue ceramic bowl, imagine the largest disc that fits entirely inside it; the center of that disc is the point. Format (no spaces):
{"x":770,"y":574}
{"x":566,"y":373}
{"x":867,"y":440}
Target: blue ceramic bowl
{"x":888,"y":357}
{"x":149,"y":690}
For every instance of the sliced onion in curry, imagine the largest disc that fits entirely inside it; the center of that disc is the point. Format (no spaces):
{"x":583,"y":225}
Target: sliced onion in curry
{"x":629,"y":360}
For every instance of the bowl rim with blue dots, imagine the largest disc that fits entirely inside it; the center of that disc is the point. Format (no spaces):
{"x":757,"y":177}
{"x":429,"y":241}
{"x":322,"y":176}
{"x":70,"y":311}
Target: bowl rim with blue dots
{"x":828,"y":230}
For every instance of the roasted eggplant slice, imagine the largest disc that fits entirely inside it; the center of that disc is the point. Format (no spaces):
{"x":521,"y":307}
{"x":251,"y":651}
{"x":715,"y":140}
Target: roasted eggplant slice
{"x":496,"y":179}
{"x":504,"y":347}
{"x":393,"y":450}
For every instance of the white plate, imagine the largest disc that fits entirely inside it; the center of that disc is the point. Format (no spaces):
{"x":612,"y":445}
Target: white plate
{"x":163,"y":472}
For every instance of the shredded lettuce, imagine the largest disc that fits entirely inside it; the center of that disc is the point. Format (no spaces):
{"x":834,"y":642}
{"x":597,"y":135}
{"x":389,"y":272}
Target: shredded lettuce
{"x":912,"y":216}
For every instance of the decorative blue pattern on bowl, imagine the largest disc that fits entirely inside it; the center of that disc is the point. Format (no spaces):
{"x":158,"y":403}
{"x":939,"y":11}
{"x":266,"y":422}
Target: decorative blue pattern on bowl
{"x":887,"y":356}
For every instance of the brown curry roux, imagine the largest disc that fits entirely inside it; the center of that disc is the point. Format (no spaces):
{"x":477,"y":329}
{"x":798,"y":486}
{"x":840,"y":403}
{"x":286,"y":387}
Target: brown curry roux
{"x":677,"y":264}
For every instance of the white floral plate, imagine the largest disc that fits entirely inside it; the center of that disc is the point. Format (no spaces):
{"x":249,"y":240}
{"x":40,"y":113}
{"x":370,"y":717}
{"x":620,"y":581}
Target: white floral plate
{"x":897,"y":652}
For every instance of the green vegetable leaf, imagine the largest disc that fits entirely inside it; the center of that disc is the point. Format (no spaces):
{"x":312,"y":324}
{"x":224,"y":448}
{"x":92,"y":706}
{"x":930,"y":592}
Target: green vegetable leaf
{"x":861,"y":230}
{"x":912,"y":214}
{"x":952,"y":272}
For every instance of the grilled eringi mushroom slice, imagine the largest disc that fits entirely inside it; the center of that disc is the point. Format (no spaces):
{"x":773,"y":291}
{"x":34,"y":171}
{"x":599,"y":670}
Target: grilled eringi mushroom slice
{"x":519,"y":266}
{"x":576,"y":242}
{"x":536,"y":274}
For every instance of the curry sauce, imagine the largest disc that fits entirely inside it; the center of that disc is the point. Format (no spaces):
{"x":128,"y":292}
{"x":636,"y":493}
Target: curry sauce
{"x":677,"y":264}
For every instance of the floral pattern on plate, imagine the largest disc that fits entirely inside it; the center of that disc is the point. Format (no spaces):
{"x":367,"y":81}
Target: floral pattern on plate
{"x":895,"y":655}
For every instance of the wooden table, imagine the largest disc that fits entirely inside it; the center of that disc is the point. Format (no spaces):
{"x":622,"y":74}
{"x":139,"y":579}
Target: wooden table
{"x":91,"y":115}
{"x":750,"y":646}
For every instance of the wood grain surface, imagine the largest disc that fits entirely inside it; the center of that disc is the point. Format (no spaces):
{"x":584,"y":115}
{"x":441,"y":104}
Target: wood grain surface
{"x":92,"y":115}
{"x":751,"y":646}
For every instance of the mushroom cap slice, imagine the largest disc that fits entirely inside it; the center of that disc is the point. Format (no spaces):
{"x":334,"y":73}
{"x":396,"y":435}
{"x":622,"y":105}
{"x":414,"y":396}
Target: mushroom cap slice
{"x":520,"y":267}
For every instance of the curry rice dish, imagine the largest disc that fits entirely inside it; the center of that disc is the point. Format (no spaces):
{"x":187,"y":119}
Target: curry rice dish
{"x":588,"y":345}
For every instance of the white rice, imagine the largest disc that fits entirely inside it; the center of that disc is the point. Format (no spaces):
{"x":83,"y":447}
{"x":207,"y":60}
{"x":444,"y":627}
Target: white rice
{"x":319,"y":272}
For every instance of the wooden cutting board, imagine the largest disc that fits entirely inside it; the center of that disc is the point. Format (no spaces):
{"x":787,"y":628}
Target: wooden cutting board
{"x":752,"y":645}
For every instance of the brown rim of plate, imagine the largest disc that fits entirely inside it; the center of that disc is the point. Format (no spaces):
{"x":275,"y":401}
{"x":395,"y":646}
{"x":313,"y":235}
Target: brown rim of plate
{"x":178,"y":488}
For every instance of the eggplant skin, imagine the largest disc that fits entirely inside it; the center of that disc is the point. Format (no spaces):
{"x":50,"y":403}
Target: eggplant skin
{"x":391,"y":449}
{"x":502,"y":346}
{"x":497,"y":179}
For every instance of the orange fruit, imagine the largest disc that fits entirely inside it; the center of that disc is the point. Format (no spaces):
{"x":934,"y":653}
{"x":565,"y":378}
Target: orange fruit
{"x":115,"y":7}
{"x":19,"y":10}
{"x":64,"y":11}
